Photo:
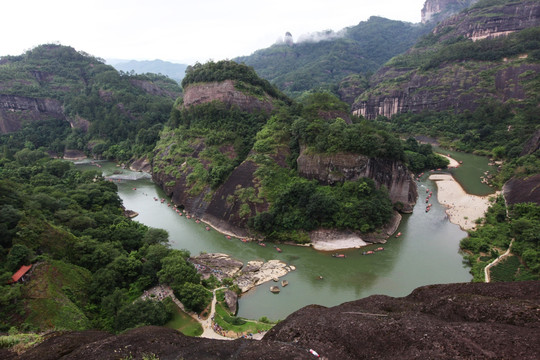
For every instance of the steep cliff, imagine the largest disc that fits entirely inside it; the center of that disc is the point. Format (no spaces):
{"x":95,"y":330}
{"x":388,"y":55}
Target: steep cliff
{"x":227,"y":93}
{"x":438,"y":10}
{"x":59,"y":84}
{"x":452,"y":70}
{"x":330,"y":169}
{"x":452,"y":321}
{"x":16,"y":109}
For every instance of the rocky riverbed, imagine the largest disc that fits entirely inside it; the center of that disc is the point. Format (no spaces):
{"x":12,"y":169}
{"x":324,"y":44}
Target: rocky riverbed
{"x":254,"y":273}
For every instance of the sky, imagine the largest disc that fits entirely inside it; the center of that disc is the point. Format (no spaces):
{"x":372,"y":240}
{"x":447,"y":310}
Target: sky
{"x":179,"y":30}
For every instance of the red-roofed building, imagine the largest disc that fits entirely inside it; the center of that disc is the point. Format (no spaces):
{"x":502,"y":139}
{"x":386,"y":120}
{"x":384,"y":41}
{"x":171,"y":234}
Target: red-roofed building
{"x":19,"y":275}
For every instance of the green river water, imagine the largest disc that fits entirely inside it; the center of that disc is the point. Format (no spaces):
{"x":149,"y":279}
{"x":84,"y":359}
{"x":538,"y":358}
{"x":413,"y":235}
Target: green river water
{"x":425,"y":253}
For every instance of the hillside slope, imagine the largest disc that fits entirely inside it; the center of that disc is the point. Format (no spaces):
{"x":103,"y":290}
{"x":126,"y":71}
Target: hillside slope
{"x":321,"y":60}
{"x":51,"y":88}
{"x":486,"y":53}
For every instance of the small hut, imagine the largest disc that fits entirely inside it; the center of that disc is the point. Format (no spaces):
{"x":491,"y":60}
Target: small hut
{"x":20,"y":275}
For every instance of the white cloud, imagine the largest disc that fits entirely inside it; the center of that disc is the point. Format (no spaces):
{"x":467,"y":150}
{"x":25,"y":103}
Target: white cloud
{"x":185,"y":31}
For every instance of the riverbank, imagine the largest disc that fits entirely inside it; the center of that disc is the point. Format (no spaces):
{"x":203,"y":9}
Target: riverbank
{"x":453,"y":162}
{"x":462,"y":208}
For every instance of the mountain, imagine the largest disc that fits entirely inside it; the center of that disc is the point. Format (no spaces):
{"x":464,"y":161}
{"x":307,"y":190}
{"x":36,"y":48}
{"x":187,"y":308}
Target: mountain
{"x":488,"y":52}
{"x":240,"y":155}
{"x":321,"y":60}
{"x":173,"y":70}
{"x":52,"y":88}
{"x":473,"y":81}
{"x":438,"y":10}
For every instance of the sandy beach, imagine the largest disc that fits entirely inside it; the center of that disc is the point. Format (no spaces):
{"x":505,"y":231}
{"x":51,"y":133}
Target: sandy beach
{"x":339,"y":244}
{"x":463,"y":209}
{"x":453,"y":162}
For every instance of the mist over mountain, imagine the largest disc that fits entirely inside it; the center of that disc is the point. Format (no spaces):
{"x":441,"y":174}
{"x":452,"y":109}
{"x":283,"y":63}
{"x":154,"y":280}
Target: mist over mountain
{"x":173,"y":70}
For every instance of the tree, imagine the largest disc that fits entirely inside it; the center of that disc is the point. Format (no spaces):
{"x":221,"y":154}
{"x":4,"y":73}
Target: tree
{"x":193,"y":296}
{"x":18,"y":255}
{"x":141,"y":313}
{"x":156,"y":236}
{"x":175,"y":271}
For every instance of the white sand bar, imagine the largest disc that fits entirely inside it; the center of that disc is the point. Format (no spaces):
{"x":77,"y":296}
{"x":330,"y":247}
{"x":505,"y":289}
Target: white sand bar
{"x":339,"y":244}
{"x":453,"y":162}
{"x":463,"y":209}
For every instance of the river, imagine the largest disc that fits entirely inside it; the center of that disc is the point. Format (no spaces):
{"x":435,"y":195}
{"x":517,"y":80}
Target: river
{"x":426,"y":253}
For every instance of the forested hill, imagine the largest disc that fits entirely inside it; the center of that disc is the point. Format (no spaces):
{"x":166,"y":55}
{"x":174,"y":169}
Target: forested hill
{"x":50,"y":87}
{"x":473,"y":83}
{"x":321,"y":60}
{"x":239,"y":154}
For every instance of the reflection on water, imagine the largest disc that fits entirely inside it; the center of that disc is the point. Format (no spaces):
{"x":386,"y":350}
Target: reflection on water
{"x":426,"y":253}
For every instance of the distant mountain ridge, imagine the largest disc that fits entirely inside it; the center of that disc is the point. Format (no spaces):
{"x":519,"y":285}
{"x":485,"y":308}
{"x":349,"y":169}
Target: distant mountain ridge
{"x":322,"y":60}
{"x":173,"y":70}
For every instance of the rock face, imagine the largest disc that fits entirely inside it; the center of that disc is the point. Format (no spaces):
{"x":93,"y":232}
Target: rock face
{"x":330,"y":169}
{"x":457,"y":86}
{"x":447,"y":88}
{"x":451,"y":321}
{"x":254,"y":273}
{"x":14,"y":109}
{"x":518,"y":190}
{"x":501,"y":20}
{"x":232,"y":301}
{"x":225,"y":91}
{"x":437,"y":10}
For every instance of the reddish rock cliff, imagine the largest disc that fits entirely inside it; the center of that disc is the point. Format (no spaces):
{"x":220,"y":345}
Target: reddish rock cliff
{"x":329,"y":169}
{"x":225,"y":91}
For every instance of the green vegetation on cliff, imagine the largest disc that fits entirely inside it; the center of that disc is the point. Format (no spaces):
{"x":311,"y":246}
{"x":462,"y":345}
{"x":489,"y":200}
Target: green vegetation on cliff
{"x":494,"y":235}
{"x":91,"y":263}
{"x":323,"y":59}
{"x":124,"y":112}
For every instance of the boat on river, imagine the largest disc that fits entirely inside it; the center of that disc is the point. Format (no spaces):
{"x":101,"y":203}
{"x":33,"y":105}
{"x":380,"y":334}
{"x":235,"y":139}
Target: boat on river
{"x":339,"y":255}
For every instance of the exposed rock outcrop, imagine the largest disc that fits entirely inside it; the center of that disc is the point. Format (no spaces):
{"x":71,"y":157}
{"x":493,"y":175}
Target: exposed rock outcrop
{"x":498,"y":21}
{"x":520,"y":190}
{"x":447,"y":88}
{"x":14,"y":109}
{"x":532,"y":145}
{"x":254,"y":273}
{"x":438,"y":10}
{"x":457,"y":85}
{"x":231,"y":299}
{"x":330,"y":169}
{"x":225,"y":91}
{"x":452,"y":321}
{"x":142,"y":164}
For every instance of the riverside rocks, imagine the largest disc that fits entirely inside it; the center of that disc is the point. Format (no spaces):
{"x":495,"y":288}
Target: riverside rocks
{"x":254,"y":273}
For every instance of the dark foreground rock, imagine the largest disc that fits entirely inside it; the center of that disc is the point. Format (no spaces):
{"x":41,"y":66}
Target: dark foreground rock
{"x":454,"y":321}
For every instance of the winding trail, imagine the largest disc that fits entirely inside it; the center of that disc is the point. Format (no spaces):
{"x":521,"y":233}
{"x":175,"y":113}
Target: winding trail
{"x":208,"y":331}
{"x":496,"y":261}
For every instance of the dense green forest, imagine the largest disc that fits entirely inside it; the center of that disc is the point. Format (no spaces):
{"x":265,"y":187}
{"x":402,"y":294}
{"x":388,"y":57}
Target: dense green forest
{"x":322,"y":61}
{"x":520,"y":222}
{"x":125,"y":120}
{"x":93,"y":262}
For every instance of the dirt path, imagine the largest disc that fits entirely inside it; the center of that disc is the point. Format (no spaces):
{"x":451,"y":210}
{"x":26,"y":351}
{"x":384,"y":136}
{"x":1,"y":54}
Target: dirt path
{"x":495,"y":262}
{"x":208,"y":330}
